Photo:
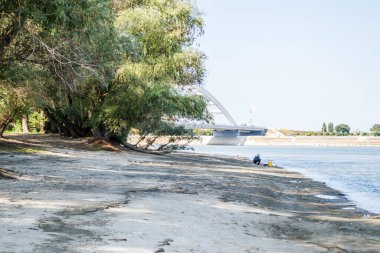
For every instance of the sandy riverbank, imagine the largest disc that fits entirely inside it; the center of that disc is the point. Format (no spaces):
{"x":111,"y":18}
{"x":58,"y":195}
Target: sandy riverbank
{"x":69,"y":199}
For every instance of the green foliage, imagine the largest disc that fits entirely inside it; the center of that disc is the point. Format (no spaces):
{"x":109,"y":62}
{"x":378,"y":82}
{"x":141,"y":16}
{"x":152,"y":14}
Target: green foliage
{"x":342,"y":129}
{"x":324,"y":128}
{"x":59,"y":52}
{"x":157,"y":36}
{"x":69,"y":39}
{"x":157,"y":29}
{"x":15,"y":127}
{"x":375,"y":130}
{"x":147,"y":92}
{"x":103,"y":67}
{"x":12,"y":104}
{"x":204,"y":132}
{"x":37,"y":122}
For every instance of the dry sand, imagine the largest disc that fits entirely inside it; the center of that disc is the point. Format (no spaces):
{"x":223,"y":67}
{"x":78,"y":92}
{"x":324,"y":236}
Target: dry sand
{"x":69,"y":199}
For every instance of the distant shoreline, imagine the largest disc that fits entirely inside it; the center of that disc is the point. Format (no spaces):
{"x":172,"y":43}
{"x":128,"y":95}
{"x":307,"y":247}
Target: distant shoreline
{"x":328,"y":141}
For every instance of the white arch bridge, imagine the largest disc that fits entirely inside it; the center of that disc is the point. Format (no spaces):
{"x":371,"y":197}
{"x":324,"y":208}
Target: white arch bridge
{"x":227,"y":127}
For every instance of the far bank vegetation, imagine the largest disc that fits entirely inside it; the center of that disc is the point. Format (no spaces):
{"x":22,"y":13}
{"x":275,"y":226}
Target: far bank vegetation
{"x":330,"y":130}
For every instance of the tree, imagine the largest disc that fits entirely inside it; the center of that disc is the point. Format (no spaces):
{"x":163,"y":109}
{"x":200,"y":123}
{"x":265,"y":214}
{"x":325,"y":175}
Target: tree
{"x":151,"y":86}
{"x":25,"y":123}
{"x":324,"y":129}
{"x":343,"y":129}
{"x":375,"y":130}
{"x":102,"y":68}
{"x":330,"y":127}
{"x":56,"y":35}
{"x":62,"y":53}
{"x":12,"y":105}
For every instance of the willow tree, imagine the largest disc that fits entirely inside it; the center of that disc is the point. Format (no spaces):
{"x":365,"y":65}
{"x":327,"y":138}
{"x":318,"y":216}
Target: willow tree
{"x":59,"y":51}
{"x":104,"y":67}
{"x":66,"y":37}
{"x":150,"y":92}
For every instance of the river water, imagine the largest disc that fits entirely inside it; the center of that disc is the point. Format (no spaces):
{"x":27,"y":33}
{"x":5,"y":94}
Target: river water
{"x":355,"y":171}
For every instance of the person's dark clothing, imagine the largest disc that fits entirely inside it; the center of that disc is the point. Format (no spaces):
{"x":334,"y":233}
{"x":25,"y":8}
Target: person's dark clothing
{"x":257,"y":160}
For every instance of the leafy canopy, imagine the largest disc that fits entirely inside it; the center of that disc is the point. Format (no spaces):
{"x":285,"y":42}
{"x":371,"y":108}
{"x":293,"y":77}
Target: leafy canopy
{"x":376,"y":129}
{"x":101,"y":67}
{"x":157,"y":64}
{"x":344,"y":129}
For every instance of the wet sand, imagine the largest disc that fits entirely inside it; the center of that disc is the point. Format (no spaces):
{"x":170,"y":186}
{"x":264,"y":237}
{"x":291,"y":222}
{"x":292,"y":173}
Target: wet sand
{"x":67,"y":198}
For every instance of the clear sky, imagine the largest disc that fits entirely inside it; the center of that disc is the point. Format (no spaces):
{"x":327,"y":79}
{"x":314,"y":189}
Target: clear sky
{"x":299,"y":62}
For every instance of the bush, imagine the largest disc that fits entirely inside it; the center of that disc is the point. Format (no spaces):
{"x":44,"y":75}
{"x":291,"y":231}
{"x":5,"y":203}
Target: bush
{"x":15,"y":127}
{"x":343,"y":129}
{"x":375,"y":130}
{"x":205,"y":132}
{"x":37,"y":122}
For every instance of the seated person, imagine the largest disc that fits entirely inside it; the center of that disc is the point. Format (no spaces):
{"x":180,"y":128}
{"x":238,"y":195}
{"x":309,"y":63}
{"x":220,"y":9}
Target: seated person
{"x":257,"y":159}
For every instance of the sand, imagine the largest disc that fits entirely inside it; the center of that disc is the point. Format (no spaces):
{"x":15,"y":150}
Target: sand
{"x":67,"y":198}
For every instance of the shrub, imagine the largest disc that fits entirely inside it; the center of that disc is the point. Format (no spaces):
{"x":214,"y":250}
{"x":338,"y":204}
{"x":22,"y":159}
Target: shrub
{"x":37,"y":122}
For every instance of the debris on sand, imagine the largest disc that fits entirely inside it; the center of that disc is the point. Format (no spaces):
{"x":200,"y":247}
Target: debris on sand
{"x":102,"y":144}
{"x":6,"y":174}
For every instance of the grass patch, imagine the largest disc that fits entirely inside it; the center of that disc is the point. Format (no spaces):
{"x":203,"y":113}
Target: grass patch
{"x":22,"y":150}
{"x":17,"y":147}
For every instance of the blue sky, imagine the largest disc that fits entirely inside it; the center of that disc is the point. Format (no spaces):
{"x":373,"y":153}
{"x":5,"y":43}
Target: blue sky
{"x":299,"y":62}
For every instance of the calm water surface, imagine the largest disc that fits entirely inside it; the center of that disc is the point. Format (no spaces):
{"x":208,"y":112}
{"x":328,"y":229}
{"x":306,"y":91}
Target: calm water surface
{"x":353,"y":170}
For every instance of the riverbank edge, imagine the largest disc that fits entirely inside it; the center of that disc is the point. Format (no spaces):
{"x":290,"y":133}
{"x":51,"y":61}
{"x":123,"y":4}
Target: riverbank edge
{"x":281,"y":204}
{"x":364,"y":211}
{"x":17,"y":144}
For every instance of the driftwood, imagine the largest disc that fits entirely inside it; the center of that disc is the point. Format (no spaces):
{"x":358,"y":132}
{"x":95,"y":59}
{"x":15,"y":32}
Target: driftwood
{"x":142,"y":150}
{"x":5,"y":174}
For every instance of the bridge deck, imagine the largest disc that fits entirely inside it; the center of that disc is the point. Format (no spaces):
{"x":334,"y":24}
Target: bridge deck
{"x":225,"y":127}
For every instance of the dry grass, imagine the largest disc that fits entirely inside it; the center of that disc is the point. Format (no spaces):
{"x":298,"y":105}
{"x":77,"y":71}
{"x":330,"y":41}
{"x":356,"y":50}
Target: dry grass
{"x":102,"y":144}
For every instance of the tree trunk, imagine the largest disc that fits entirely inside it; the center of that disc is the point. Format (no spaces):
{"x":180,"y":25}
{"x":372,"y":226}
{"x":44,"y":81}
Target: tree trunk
{"x":73,"y":131}
{"x":3,"y":126}
{"x":61,"y":128}
{"x":25,"y":123}
{"x":42,"y":124}
{"x":101,"y":132}
{"x":61,"y":121}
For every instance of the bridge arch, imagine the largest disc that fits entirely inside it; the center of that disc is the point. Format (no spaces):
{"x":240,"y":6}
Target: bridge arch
{"x":209,"y":97}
